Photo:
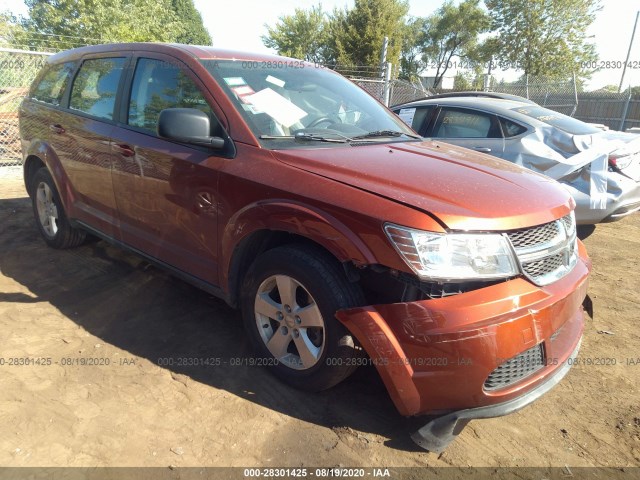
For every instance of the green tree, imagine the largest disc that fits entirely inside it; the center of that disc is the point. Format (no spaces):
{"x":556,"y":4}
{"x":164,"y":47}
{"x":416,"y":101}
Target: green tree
{"x":359,"y":33}
{"x":7,"y":21}
{"x":544,"y":37}
{"x":453,"y":32}
{"x":468,"y":81}
{"x":193,"y":30}
{"x":305,"y":35}
{"x":411,"y":61}
{"x":61,"y":24}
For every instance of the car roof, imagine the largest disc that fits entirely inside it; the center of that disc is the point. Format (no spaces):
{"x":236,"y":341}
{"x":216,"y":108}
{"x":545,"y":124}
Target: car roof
{"x":484,"y":103}
{"x":177,"y":49}
{"x":497,"y":106}
{"x":504,"y":96}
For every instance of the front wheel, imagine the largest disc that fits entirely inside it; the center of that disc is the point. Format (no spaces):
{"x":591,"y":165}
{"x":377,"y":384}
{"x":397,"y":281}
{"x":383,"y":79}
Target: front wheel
{"x":289,"y":299}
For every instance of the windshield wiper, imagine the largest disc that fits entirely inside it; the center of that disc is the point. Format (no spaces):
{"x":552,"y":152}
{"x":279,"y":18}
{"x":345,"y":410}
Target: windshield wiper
{"x":309,"y":137}
{"x":385,"y":133}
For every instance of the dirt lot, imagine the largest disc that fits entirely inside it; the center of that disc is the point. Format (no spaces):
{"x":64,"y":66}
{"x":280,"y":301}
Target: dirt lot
{"x":96,"y":302}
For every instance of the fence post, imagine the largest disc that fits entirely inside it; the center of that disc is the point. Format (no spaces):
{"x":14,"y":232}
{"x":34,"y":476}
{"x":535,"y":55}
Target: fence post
{"x":487,"y":77}
{"x":386,"y":89}
{"x":526,"y":80}
{"x":575,"y":95}
{"x":383,"y":56}
{"x":625,"y":111}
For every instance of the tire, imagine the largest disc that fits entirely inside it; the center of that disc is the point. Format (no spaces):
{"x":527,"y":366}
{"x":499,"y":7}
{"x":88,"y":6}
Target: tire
{"x":323,"y":353}
{"x":49,"y":213}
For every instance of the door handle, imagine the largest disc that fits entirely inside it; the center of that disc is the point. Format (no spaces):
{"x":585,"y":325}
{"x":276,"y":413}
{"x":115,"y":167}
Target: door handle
{"x":57,"y":128}
{"x":124,"y":150}
{"x":482,"y":149}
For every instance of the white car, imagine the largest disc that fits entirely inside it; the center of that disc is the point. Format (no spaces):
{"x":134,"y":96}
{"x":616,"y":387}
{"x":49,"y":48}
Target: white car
{"x":600,"y":168}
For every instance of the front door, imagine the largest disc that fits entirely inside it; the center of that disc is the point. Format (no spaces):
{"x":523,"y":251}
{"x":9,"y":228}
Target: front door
{"x":166,"y":191}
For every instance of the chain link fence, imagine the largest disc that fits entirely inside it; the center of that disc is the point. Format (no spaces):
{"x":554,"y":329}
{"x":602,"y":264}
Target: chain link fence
{"x":561,"y":96}
{"x":371,"y":79}
{"x":617,"y":111}
{"x":18,"y":68}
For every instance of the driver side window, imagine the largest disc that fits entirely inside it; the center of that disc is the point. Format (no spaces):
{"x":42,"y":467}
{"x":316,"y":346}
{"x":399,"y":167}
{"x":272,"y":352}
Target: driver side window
{"x":158,"y":85}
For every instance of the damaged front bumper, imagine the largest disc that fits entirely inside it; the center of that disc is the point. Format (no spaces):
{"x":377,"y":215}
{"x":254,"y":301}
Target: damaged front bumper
{"x":445,"y":355}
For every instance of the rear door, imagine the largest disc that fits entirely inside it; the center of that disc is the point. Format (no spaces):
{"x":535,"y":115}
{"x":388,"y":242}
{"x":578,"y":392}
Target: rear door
{"x":84,"y":132}
{"x":469,"y":128}
{"x":166,"y":192}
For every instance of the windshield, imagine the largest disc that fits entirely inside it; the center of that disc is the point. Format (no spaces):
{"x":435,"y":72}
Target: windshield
{"x":558,"y":120}
{"x":285,"y":103}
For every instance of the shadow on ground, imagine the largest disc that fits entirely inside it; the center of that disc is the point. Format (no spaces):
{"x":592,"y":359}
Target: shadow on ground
{"x":131,"y":305}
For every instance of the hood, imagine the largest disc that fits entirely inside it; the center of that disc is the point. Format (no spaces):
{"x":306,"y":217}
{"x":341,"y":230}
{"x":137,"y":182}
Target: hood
{"x":465,"y":190}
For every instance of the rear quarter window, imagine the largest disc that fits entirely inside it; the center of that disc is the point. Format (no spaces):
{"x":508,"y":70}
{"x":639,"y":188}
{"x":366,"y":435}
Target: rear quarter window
{"x":510,"y":128}
{"x":52,"y":83}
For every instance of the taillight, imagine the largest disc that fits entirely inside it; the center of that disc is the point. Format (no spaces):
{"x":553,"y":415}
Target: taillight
{"x":620,"y":162}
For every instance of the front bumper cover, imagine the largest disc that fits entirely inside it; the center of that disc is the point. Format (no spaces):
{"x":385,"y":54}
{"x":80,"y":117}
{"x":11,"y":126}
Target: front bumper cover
{"x":436,"y":435}
{"x":435,"y":355}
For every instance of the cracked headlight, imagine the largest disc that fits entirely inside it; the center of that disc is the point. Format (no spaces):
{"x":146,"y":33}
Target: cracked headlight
{"x":454,"y":256}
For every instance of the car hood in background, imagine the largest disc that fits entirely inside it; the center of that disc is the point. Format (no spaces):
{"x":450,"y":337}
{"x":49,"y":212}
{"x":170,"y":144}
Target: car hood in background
{"x":464,"y":189}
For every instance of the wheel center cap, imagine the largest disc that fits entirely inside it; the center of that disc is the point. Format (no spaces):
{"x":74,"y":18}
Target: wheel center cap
{"x":290,"y":321}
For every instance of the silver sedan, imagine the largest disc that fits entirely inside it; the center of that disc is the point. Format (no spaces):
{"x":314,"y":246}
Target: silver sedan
{"x":600,"y":168}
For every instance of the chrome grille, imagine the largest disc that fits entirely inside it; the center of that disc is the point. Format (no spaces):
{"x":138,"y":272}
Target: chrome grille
{"x":546,"y":252}
{"x":542,"y":267}
{"x":516,"y":368}
{"x":529,"y":237}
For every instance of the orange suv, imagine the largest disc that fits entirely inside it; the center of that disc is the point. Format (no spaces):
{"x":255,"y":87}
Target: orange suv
{"x":342,"y":236}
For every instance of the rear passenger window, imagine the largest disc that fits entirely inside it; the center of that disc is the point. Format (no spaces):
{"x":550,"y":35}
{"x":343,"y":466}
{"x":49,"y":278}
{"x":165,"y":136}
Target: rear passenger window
{"x":158,"y":85}
{"x":94,"y":88}
{"x":511,"y":129}
{"x":50,"y":88}
{"x":463,"y":123}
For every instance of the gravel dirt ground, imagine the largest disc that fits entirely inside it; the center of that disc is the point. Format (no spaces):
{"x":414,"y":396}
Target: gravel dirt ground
{"x":110,"y":388}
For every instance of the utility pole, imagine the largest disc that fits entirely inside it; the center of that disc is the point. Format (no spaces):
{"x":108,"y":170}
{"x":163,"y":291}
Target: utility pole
{"x":624,"y":68}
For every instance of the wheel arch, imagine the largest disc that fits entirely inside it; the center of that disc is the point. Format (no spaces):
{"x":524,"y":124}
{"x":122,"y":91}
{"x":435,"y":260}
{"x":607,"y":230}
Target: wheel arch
{"x":32,"y":164}
{"x":40,"y":154}
{"x":276,"y":224}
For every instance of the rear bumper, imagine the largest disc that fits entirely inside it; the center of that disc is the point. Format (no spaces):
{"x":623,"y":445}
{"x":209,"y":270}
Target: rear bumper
{"x":434,"y":356}
{"x":623,"y":198}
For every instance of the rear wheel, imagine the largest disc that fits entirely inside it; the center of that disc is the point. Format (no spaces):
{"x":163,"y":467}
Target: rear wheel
{"x":49,"y":213}
{"x":289,"y":301}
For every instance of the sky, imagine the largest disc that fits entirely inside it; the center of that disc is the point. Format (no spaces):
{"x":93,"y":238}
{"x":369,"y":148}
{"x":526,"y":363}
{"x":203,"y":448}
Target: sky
{"x":239,"y":24}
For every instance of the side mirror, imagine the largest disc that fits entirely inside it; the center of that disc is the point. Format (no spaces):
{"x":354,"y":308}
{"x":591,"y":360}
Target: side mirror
{"x":188,"y":125}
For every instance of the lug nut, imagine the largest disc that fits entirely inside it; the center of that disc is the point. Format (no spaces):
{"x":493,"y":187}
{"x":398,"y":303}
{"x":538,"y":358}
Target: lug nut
{"x":298,"y":320}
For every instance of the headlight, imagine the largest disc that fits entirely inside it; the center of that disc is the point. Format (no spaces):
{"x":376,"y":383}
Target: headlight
{"x":454,"y":256}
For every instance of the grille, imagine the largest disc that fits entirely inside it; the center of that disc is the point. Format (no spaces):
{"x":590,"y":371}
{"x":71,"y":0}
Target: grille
{"x":545,"y":266}
{"x":515,"y":369}
{"x":546,"y":252}
{"x":530,"y":237}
